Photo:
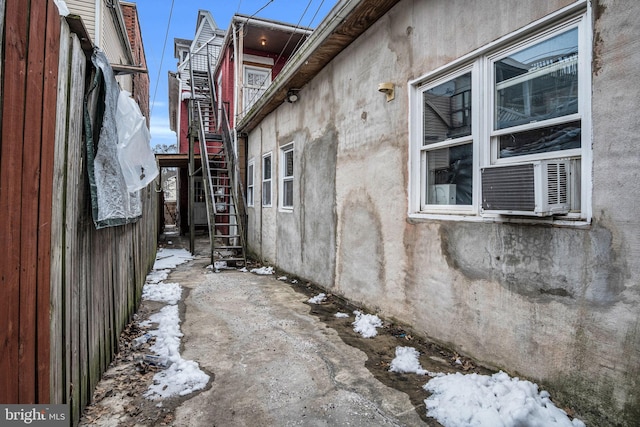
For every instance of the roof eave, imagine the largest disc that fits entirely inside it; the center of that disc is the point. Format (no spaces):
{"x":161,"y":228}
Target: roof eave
{"x":345,"y":23}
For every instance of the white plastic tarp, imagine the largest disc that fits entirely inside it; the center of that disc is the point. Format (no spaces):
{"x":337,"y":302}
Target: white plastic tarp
{"x":136,"y":159}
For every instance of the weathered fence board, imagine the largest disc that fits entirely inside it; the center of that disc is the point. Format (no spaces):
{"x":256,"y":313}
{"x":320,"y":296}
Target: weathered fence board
{"x":58,"y":345}
{"x":10,"y":196}
{"x":49,"y":120}
{"x":31,"y":144}
{"x":67,"y":290}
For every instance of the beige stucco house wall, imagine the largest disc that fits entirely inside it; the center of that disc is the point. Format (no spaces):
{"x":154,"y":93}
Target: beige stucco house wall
{"x":554,"y":298}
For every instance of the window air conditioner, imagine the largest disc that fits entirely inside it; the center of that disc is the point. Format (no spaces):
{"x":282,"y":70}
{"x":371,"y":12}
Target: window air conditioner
{"x":538,"y":188}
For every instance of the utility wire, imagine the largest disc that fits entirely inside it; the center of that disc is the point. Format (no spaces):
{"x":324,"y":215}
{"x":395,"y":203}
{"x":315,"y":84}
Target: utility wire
{"x":257,"y":93}
{"x":303,"y":39}
{"x":164,"y":46}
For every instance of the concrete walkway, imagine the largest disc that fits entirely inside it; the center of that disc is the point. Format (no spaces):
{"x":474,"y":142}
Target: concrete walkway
{"x":273,"y":363}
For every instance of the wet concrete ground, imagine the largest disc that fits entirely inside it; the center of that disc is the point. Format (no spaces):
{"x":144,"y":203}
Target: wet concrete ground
{"x":274,"y":360}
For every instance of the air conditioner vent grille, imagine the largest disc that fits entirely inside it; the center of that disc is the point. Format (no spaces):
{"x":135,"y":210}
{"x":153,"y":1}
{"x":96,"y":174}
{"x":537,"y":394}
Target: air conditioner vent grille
{"x":509,"y":188}
{"x":557,"y":183}
{"x":539,"y":188}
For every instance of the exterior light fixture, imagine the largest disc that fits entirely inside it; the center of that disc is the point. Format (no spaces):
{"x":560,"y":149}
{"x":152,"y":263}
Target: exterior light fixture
{"x":388,"y":89}
{"x":292,"y":95}
{"x":263,"y":41}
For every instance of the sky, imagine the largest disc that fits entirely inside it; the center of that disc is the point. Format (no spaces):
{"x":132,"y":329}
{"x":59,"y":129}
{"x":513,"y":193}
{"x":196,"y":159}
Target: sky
{"x":456,"y":400}
{"x":159,"y":20}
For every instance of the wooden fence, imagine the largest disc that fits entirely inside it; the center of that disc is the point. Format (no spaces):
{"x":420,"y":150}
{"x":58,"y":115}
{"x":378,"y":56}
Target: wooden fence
{"x":67,"y":290}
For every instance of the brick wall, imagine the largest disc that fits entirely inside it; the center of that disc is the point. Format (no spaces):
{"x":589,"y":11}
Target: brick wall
{"x":140,"y":80}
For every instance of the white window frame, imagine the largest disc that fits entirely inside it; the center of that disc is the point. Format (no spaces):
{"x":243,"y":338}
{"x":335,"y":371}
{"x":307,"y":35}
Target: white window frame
{"x":267,"y":181}
{"x":249,"y":91}
{"x":471,"y":139}
{"x":285,"y":179}
{"x":480,"y":62}
{"x":251,"y":172}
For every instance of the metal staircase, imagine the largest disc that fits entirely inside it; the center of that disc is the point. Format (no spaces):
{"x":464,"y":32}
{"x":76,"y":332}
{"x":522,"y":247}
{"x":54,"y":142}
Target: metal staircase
{"x":220,"y":172}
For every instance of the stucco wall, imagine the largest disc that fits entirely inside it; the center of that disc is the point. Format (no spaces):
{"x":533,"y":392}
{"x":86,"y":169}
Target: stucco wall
{"x":301,"y":241}
{"x":559,"y":305}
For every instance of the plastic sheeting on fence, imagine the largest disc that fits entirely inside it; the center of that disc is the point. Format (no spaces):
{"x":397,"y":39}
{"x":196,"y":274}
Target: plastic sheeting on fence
{"x":136,"y":159}
{"x":112,"y":202}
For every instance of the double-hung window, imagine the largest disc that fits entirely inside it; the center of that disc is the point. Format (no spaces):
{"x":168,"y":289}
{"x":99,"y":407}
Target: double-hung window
{"x":250,"y":180}
{"x":446,"y":146}
{"x":256,"y":81}
{"x":480,"y":127}
{"x":286,"y":177}
{"x":267,"y":170}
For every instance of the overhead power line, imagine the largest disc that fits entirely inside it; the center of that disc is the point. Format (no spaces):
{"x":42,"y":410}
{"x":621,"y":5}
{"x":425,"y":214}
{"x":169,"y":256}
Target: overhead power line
{"x":164,"y":46}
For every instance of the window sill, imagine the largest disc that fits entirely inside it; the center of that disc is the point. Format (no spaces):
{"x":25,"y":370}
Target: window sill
{"x":565,"y":222}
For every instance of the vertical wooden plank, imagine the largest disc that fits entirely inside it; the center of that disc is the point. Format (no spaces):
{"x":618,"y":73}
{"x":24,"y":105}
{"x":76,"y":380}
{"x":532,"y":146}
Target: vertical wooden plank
{"x":58,"y":338}
{"x":2,"y":8}
{"x":73,"y":255}
{"x":52,"y":59}
{"x":31,"y":146}
{"x":14,"y":79}
{"x":83,"y":281}
{"x":83,"y":299}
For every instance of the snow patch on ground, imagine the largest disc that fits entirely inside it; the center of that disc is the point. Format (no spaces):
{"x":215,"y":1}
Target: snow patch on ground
{"x":264,"y":271}
{"x":341,"y":315}
{"x":317,"y":299}
{"x":407,"y":360}
{"x":459,"y":400}
{"x":366,"y":324}
{"x":181,"y":377}
{"x":169,"y":293}
{"x":171,"y":258}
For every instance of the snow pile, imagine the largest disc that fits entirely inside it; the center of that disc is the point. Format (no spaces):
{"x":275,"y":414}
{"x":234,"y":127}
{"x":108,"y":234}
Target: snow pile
{"x":366,"y":324}
{"x":283,"y":278}
{"x":318,"y":298}
{"x":407,"y":361}
{"x":220,"y":265}
{"x":263,"y":270}
{"x":341,"y":315}
{"x":497,"y":400}
{"x":157,"y":276}
{"x":179,"y":379}
{"x":171,"y":258}
{"x":162,"y":292}
{"x":182,"y":376}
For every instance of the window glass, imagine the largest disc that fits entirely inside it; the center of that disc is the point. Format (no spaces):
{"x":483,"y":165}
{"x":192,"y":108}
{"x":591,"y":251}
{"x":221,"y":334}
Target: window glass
{"x":288,"y":168}
{"x":447,"y":110}
{"x":287,"y":178}
{"x":250,"y":184}
{"x":266,"y":168}
{"x":552,"y":138}
{"x":537,"y":83}
{"x":450,"y":175}
{"x":266,"y":180}
{"x":266,"y":193}
{"x":287,"y":194}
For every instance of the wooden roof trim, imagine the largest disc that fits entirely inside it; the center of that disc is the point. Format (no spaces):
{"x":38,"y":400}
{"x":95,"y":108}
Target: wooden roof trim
{"x":347,"y":21}
{"x":76,"y":25}
{"x":120,"y":69}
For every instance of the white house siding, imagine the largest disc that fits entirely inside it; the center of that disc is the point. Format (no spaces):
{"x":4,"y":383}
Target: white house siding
{"x":114,"y":47}
{"x":86,"y":9}
{"x":110,"y":40}
{"x":559,"y":305}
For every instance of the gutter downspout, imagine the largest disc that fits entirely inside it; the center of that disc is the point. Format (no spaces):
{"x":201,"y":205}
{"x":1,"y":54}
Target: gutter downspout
{"x":236,"y":78}
{"x":237,"y":93}
{"x":97,"y":23}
